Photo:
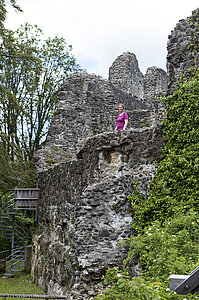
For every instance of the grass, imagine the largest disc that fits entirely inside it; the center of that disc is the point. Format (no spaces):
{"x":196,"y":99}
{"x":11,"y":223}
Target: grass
{"x":19,"y":284}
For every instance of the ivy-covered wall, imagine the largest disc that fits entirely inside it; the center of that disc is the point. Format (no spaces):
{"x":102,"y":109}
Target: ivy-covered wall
{"x":167,"y":222}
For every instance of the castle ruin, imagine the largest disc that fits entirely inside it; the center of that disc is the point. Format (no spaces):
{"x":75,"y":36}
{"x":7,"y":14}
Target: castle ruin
{"x":86,"y":170}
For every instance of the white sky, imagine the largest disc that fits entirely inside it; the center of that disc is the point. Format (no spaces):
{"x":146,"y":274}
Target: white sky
{"x":100,"y":30}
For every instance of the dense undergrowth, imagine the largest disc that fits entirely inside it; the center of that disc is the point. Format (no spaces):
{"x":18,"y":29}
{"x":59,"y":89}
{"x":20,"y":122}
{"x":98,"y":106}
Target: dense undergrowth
{"x":167,"y":223}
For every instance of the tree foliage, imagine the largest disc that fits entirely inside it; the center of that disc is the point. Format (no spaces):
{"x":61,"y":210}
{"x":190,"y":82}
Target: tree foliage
{"x":3,"y":12}
{"x":17,"y":173}
{"x":32,"y":71}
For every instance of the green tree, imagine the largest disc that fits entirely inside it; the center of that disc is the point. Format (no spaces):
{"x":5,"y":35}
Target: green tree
{"x":3,"y":12}
{"x":32,"y":71}
{"x":15,"y":173}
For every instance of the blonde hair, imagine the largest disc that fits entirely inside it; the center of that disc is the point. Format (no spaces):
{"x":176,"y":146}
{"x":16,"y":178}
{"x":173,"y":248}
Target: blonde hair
{"x":121,"y":105}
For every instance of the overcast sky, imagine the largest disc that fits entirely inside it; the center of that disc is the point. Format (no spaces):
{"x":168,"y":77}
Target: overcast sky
{"x":100,"y":30}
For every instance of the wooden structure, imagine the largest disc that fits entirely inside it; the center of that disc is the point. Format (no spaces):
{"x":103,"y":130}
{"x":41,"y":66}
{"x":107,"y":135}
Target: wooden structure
{"x":185,"y":284}
{"x":26,"y":198}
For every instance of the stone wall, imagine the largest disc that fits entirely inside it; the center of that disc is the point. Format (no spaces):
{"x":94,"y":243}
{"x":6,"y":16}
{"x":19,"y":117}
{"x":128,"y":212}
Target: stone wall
{"x":125,"y":74}
{"x":86,"y":172}
{"x":155,"y":85}
{"x":183,"y":49}
{"x":88,"y":106}
{"x":84,"y":210}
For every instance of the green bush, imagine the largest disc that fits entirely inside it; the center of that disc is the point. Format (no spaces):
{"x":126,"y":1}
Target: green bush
{"x":168,"y":248}
{"x":120,"y":286}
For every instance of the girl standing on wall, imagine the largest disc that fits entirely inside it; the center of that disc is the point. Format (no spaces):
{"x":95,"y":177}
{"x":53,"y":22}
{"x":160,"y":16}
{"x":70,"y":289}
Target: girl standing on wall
{"x":122,"y":118}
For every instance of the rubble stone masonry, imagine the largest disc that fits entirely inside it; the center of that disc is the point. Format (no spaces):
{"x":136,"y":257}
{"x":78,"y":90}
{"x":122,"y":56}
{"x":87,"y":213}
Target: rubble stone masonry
{"x":86,"y":170}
